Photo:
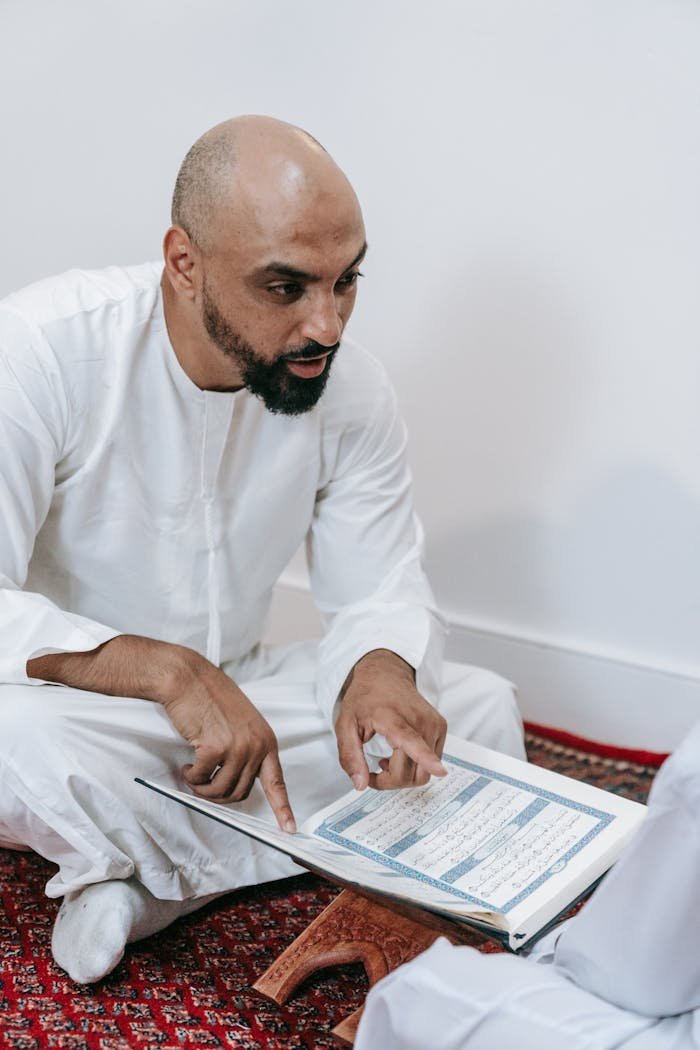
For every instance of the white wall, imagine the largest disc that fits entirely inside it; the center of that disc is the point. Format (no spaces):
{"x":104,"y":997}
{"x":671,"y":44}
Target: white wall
{"x":529,"y":171}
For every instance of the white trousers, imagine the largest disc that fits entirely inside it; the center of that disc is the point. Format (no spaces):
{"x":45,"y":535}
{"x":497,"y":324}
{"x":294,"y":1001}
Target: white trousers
{"x":68,"y":759}
{"x":625,"y":972}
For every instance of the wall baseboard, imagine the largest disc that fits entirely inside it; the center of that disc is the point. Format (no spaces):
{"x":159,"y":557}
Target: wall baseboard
{"x":599,"y":697}
{"x":616,"y":701}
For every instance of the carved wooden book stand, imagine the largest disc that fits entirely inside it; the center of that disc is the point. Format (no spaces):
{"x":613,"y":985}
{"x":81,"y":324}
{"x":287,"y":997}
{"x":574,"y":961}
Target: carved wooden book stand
{"x":356,"y":927}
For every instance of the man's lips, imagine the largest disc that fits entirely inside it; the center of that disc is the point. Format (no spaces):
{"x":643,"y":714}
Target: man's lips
{"x":309,"y":367}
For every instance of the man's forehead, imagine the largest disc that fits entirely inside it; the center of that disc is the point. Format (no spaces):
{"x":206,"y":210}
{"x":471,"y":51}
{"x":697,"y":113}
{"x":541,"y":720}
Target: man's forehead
{"x":312,"y":243}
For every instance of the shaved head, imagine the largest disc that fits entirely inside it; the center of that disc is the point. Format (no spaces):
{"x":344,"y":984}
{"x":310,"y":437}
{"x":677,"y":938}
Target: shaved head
{"x":261,"y":262}
{"x":238,"y":163}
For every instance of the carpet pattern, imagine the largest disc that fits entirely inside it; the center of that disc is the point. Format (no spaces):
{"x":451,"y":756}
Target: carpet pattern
{"x":189,"y":987}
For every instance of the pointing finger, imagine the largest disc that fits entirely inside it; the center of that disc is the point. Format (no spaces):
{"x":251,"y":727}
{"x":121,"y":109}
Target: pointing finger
{"x":398,"y":772}
{"x":403,"y":738}
{"x":272,"y":780}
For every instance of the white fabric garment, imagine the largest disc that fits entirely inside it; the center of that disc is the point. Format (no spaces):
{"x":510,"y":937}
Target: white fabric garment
{"x":458,"y":999}
{"x":135,"y":502}
{"x":625,"y":972}
{"x":68,"y":790}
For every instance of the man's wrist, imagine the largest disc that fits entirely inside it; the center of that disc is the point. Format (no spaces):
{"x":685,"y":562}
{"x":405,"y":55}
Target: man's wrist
{"x":176,"y":671}
{"x":380,"y":663}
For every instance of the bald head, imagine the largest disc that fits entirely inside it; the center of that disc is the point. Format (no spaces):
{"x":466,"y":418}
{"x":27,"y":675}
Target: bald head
{"x":261,"y":262}
{"x":252,"y":166}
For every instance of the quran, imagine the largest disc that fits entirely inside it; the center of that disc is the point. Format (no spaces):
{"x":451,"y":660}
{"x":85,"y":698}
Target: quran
{"x":498,"y":844}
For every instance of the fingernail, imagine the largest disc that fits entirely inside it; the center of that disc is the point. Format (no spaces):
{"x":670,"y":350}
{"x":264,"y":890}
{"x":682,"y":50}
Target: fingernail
{"x":290,"y":826}
{"x":357,"y":782}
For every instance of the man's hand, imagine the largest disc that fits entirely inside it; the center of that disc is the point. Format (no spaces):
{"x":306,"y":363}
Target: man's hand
{"x":233,"y":744}
{"x":380,"y":696}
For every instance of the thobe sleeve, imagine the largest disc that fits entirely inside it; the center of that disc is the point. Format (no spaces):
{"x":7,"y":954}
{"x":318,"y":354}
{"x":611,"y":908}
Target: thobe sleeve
{"x":365,"y":553}
{"x":635,"y":943}
{"x":34,"y":431}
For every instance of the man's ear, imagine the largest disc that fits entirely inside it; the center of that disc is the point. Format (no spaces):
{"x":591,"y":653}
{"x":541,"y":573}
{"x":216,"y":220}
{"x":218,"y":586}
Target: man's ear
{"x":181,"y":259}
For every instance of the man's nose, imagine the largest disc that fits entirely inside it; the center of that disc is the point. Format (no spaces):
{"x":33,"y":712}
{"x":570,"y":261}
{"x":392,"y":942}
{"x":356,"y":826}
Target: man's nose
{"x":322,"y":322}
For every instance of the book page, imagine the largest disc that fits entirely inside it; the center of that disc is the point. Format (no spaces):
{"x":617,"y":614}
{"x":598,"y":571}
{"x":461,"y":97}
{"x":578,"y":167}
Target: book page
{"x":481,"y":836}
{"x":497,"y":840}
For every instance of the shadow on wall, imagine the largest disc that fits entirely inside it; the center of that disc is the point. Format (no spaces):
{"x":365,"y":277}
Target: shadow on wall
{"x":547,"y":512}
{"x":614,"y":578}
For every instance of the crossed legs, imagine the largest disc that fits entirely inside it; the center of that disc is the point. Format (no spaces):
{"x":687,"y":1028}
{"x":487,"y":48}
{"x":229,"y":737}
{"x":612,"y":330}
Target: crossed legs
{"x":129,"y":861}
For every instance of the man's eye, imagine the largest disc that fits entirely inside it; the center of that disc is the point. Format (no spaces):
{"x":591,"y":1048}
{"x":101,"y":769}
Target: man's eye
{"x":349,"y":280}
{"x":285,"y":289}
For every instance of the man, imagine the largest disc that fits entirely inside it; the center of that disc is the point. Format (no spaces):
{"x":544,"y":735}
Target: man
{"x":168,"y":440}
{"x":625,"y":972}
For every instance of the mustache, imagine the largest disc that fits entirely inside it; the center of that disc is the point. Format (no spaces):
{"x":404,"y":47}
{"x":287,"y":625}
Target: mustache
{"x":308,"y":351}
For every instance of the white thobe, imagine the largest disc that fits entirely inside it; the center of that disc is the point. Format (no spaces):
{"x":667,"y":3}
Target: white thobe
{"x":134,"y":502}
{"x":625,"y":972}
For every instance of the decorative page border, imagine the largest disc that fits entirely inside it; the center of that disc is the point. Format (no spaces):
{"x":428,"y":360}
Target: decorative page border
{"x":332,"y":830}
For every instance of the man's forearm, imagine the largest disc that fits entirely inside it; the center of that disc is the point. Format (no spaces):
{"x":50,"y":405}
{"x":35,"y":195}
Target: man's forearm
{"x":127,"y":665}
{"x":231,"y":741}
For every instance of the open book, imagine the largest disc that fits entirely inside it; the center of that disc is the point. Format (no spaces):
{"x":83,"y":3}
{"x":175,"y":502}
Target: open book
{"x":498,"y":844}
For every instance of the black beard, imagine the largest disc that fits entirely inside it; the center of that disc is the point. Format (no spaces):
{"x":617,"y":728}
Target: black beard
{"x":273,"y":383}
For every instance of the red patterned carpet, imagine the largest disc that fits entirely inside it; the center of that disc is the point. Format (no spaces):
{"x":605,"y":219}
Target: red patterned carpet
{"x":189,"y":987}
